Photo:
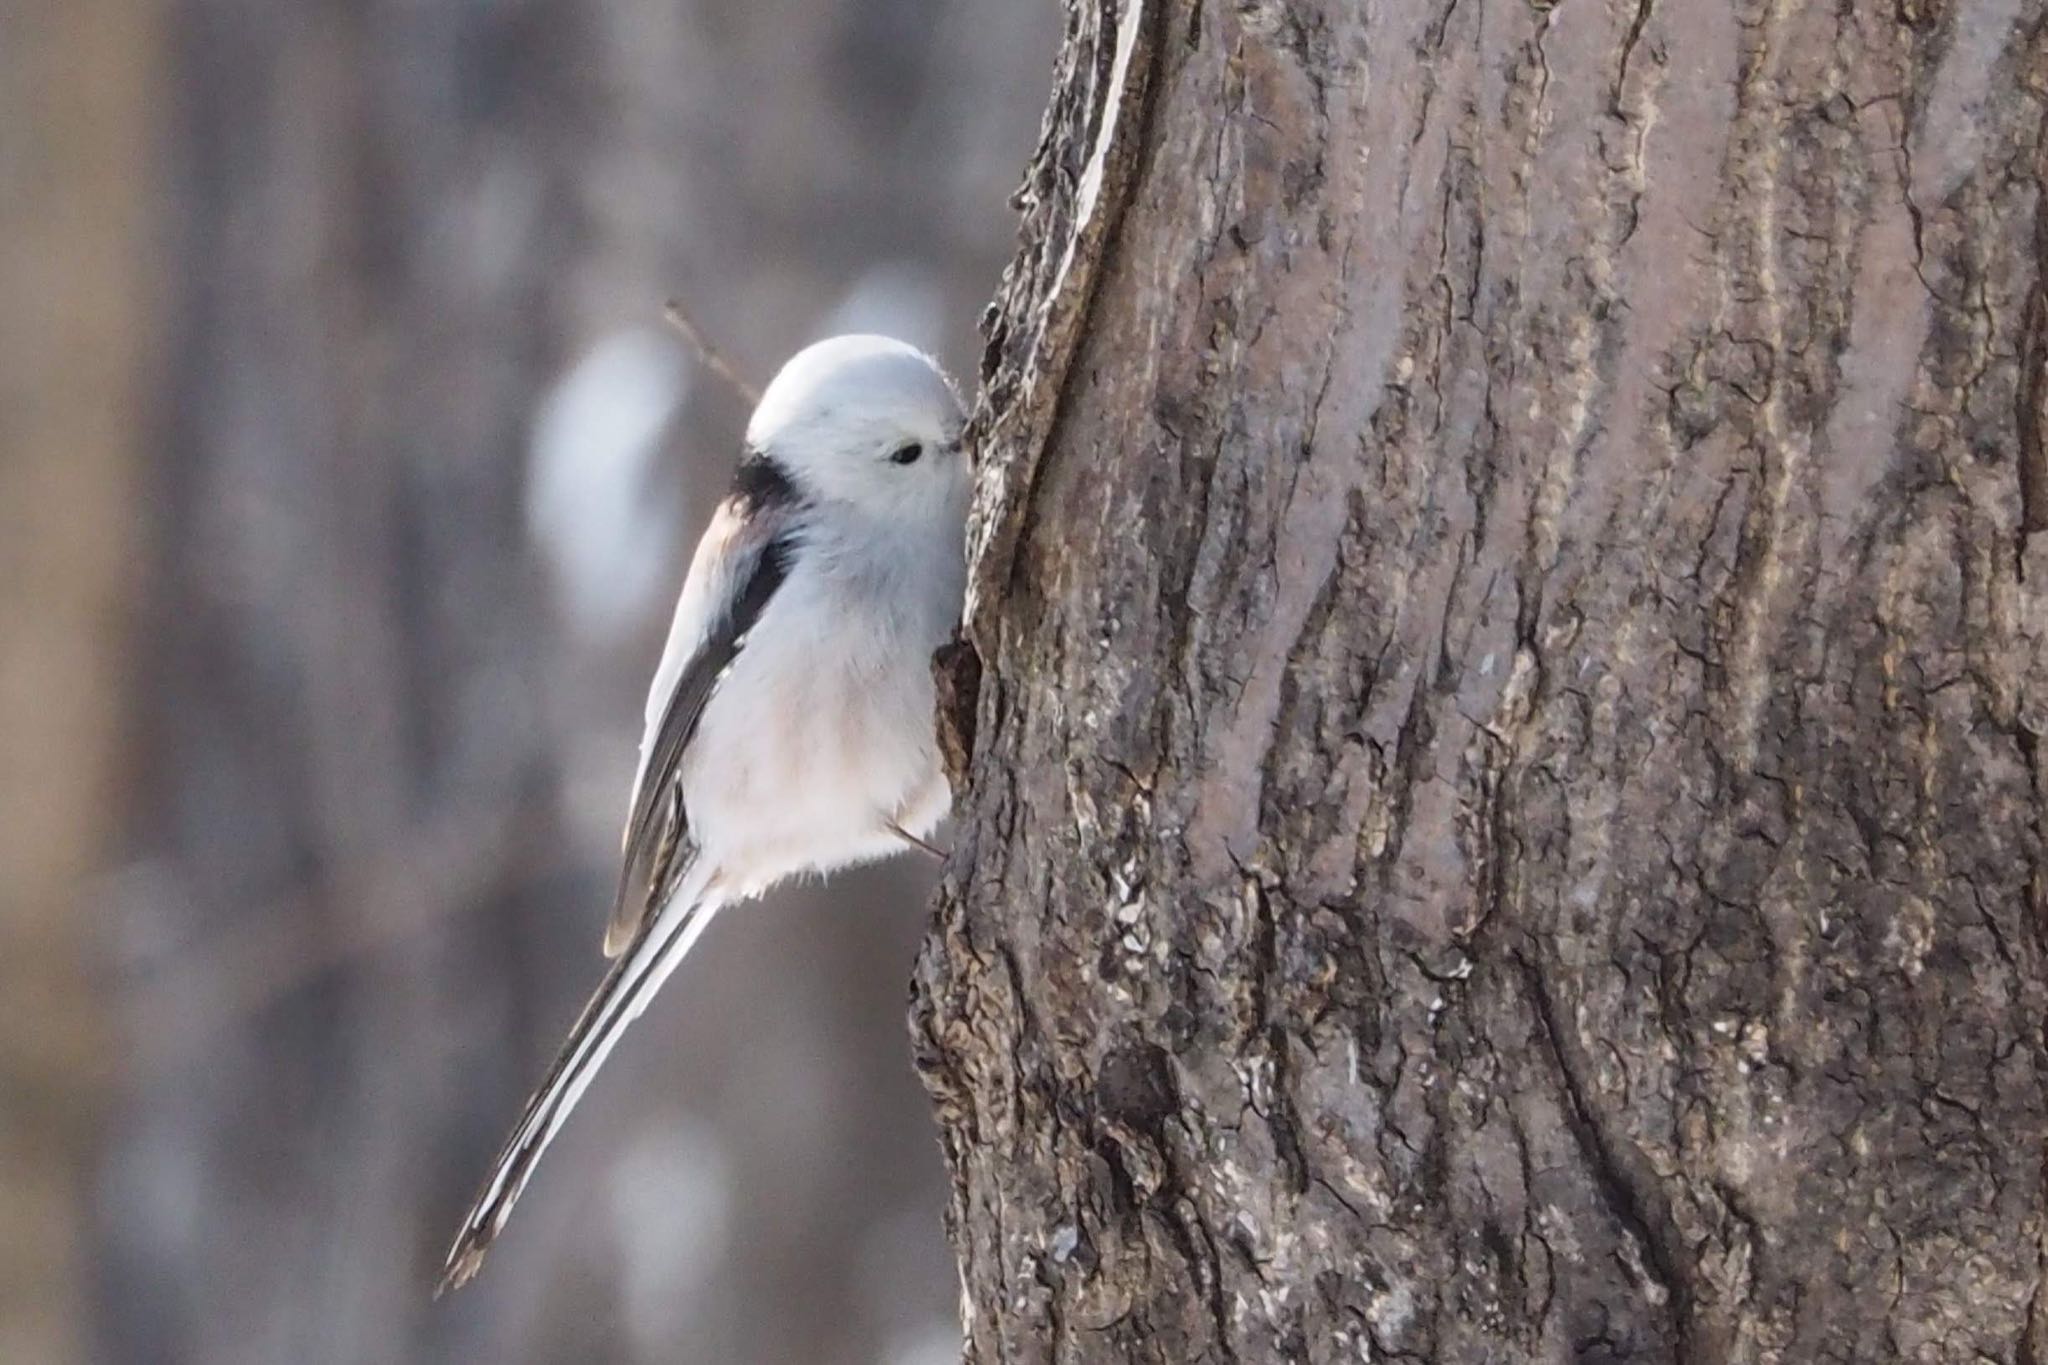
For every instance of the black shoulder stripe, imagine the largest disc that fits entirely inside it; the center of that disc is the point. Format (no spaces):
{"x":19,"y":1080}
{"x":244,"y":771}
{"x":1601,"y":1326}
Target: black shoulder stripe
{"x":753,"y":599}
{"x":759,"y":484}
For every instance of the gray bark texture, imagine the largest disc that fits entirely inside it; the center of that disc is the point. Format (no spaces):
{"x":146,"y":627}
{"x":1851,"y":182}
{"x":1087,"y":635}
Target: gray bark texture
{"x":1503,"y":795}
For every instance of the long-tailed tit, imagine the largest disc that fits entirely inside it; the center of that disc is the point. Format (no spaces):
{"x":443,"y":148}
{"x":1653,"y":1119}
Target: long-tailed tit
{"x":790,"y":725}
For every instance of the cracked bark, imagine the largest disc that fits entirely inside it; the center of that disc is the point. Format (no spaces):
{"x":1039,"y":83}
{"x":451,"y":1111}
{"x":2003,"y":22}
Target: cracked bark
{"x":1502,"y":804}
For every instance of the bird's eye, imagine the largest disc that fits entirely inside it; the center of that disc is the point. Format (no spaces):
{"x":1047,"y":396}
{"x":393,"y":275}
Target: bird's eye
{"x":906,"y":454}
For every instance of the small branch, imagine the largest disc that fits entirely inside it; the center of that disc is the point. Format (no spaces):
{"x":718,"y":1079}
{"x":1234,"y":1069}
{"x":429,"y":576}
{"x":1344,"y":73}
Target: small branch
{"x":713,"y":358}
{"x":907,"y":837}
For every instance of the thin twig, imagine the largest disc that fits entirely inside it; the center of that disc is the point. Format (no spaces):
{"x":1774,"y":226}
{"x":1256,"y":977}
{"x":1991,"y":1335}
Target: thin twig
{"x":448,"y":866}
{"x":713,"y":358}
{"x":907,"y":837}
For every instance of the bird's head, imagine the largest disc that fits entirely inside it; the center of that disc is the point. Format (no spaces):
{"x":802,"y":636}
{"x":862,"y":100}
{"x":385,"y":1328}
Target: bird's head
{"x":866,"y":421}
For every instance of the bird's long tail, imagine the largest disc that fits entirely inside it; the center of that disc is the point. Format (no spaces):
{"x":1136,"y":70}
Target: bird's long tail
{"x":635,"y":975}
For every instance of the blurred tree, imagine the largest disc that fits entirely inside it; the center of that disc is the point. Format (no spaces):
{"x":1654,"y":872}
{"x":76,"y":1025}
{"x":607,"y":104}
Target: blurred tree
{"x":1505,"y":819}
{"x":416,"y":501}
{"x":75,"y":83}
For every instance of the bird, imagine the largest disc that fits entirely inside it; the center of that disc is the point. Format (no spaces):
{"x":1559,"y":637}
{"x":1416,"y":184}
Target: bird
{"x":790,"y":728}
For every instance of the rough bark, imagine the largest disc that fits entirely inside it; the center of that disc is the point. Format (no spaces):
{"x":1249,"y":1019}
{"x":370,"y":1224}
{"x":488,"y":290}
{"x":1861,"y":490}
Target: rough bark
{"x":1503,"y":801}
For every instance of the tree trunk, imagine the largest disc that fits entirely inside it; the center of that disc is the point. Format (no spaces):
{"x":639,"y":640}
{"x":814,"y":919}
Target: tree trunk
{"x":1502,"y":815}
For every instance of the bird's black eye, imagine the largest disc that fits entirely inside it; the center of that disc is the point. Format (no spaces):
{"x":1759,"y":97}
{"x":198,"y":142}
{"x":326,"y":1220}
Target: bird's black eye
{"x":906,"y":454}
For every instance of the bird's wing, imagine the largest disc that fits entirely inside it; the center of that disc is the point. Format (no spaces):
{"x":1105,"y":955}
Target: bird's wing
{"x":741,"y":561}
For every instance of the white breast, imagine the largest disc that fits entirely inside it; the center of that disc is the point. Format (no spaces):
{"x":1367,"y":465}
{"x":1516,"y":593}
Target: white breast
{"x":823,"y":730}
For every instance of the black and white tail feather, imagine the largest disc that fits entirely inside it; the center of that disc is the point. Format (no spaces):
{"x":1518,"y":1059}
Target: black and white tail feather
{"x":636,"y":974}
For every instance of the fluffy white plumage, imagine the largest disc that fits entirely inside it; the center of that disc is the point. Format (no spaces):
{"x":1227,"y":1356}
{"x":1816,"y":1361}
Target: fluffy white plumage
{"x":790,"y":724}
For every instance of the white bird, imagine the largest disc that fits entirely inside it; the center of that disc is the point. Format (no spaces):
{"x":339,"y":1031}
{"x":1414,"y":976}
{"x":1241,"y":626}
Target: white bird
{"x":790,"y":728}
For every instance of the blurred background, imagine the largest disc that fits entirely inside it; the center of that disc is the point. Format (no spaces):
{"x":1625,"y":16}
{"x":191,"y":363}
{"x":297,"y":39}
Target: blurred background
{"x":347,"y":473}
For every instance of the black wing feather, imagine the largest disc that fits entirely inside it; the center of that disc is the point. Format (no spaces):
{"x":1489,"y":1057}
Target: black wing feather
{"x":657,"y":829}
